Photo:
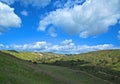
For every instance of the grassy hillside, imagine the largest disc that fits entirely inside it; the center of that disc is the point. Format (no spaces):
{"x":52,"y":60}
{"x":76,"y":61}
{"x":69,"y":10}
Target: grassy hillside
{"x":104,"y":64}
{"x":33,"y":56}
{"x":104,"y":58}
{"x":16,"y":71}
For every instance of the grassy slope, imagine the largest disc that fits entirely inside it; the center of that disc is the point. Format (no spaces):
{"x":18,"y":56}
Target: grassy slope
{"x":104,"y":58}
{"x":33,"y":56}
{"x":104,"y":64}
{"x":15,"y":71}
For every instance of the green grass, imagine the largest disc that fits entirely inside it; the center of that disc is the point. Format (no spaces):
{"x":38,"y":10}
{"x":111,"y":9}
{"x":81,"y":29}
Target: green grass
{"x":70,"y":76}
{"x":104,"y":64}
{"x":16,"y":71}
{"x":33,"y":56}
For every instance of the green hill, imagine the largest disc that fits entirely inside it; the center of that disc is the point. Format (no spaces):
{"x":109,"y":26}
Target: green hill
{"x":16,"y":71}
{"x":33,"y":56}
{"x":104,"y":64}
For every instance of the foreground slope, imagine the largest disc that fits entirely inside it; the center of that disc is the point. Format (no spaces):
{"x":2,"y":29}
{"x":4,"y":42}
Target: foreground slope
{"x":15,"y":71}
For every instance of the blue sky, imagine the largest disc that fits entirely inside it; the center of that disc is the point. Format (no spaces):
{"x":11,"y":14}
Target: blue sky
{"x":60,"y":26}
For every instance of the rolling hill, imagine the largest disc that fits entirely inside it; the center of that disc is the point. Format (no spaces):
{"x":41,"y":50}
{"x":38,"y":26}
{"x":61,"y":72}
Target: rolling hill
{"x":16,"y":71}
{"x":97,"y":67}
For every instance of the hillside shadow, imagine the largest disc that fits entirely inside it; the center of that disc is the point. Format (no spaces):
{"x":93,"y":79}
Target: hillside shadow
{"x":13,"y":51}
{"x":102,"y":72}
{"x":70,"y":63}
{"x":99,"y":71}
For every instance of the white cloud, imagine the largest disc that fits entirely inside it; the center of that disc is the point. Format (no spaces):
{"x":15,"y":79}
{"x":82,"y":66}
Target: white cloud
{"x":8,"y":18}
{"x":1,"y":45}
{"x":118,"y":34}
{"x":65,"y":47}
{"x":69,"y":47}
{"x":67,"y":3}
{"x":24,"y":12}
{"x":37,"y":46}
{"x":58,"y":4}
{"x":91,"y":18}
{"x":71,"y":3}
{"x":36,"y":3}
{"x":67,"y":42}
{"x":52,"y":32}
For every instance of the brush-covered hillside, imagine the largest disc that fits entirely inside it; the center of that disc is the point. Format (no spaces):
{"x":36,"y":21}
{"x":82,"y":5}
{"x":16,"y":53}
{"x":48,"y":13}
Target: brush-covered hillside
{"x":16,"y":71}
{"x":103,"y":64}
{"x":33,"y":56}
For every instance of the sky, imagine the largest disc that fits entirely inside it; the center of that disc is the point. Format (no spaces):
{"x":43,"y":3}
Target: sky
{"x":59,"y":26}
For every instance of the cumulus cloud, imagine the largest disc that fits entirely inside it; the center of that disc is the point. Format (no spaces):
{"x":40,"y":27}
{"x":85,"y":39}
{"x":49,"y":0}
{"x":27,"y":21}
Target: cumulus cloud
{"x":52,"y":32}
{"x":58,"y":4}
{"x":8,"y":18}
{"x":69,"y":47}
{"x":1,"y":45}
{"x":36,"y":3}
{"x":67,"y":3}
{"x":37,"y":46}
{"x":65,"y":47}
{"x":118,"y":34}
{"x":71,"y":3}
{"x":91,"y":18}
{"x":24,"y":13}
{"x":67,"y":42}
